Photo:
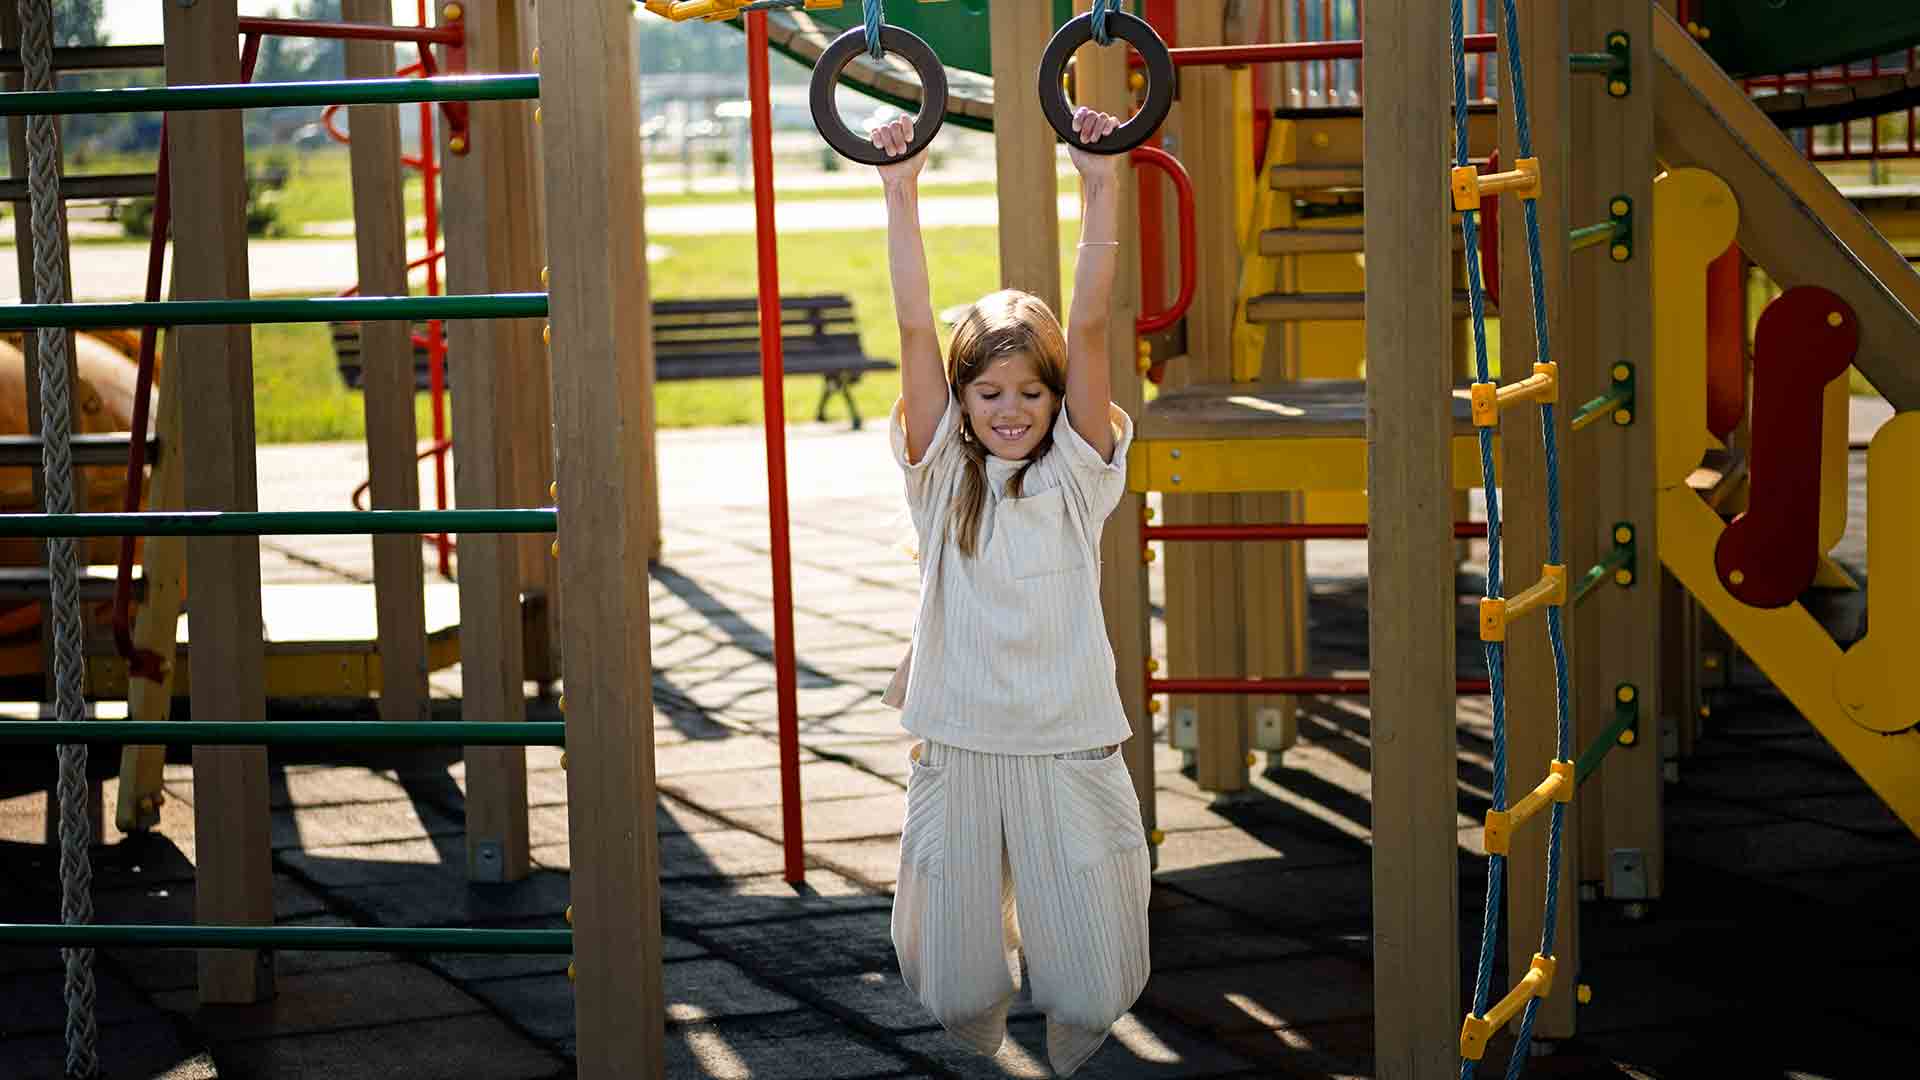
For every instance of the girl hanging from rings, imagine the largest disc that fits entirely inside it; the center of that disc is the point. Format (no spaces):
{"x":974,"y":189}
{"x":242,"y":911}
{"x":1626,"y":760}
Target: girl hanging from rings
{"x":1023,"y":832}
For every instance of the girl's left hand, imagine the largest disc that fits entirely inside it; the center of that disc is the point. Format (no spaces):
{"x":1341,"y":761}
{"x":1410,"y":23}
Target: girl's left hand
{"x":1091,"y":125}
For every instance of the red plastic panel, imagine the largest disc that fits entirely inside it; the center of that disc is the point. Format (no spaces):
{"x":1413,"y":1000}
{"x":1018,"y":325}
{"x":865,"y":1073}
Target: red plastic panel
{"x":1806,"y":339}
{"x":1726,"y":342}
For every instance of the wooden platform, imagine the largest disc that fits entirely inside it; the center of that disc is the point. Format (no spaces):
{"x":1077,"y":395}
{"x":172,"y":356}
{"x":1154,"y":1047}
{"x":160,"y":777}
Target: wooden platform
{"x":321,"y":642}
{"x":1305,"y":436}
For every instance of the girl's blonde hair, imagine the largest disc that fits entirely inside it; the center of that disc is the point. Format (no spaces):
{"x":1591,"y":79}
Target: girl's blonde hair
{"x":1001,"y":324}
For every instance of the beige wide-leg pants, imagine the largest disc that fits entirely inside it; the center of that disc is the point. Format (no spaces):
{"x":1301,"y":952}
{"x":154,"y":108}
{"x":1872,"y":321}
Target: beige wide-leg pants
{"x":1004,"y":852}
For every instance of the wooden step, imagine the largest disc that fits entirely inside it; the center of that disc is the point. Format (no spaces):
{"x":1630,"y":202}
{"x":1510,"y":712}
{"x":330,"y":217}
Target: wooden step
{"x":1314,"y":177}
{"x":1275,"y":242}
{"x":1328,"y":307}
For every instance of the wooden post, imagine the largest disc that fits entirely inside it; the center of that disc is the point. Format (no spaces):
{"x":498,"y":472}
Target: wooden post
{"x":1416,"y":897}
{"x":1613,"y":479}
{"x":1024,"y":153}
{"x":1123,"y":576}
{"x":479,"y":188}
{"x":387,"y":349}
{"x":233,"y":873}
{"x":602,"y":343}
{"x":1532,"y":715}
{"x":1203,"y":580}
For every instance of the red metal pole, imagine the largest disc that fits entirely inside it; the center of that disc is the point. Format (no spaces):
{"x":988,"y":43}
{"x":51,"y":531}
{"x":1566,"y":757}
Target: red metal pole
{"x":1462,"y":530}
{"x":453,"y":35}
{"x":773,"y":392}
{"x":1358,"y":687}
{"x":1287,"y":52}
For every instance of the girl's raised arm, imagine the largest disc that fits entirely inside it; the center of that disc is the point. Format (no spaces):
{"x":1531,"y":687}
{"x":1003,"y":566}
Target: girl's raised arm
{"x":1089,"y":383}
{"x":923,"y":378}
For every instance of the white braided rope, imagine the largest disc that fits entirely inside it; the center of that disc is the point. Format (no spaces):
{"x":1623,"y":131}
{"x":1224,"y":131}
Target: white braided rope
{"x":56,"y":427}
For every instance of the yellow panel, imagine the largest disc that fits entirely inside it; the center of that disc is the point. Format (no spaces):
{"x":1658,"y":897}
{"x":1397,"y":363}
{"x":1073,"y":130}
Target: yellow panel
{"x":1874,"y":683}
{"x":1695,"y":218}
{"x":1335,"y":507}
{"x":1795,"y":650}
{"x":1233,"y":466}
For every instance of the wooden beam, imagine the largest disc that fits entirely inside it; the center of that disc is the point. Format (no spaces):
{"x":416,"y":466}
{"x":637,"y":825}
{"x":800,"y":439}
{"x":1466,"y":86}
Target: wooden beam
{"x":602,"y":335}
{"x":233,"y":870}
{"x":1416,"y":888}
{"x":1532,"y":715}
{"x":1611,"y":476}
{"x":386,"y":350}
{"x":479,"y":189}
{"x":1024,"y":153}
{"x":1123,"y":579}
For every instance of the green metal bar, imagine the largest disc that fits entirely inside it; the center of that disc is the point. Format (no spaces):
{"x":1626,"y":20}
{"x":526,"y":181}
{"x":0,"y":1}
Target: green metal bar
{"x":299,"y":310}
{"x":1592,"y":411}
{"x":280,"y":733}
{"x":280,"y":523}
{"x":1594,"y":63}
{"x":1602,"y":572}
{"x":1589,"y":235}
{"x":322,"y":938}
{"x":1602,"y":745}
{"x":135,"y":99}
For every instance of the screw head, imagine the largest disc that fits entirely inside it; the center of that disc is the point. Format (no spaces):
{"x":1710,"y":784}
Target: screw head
{"x":1623,"y":417}
{"x":1737,"y":578}
{"x":1156,"y":838}
{"x":1626,"y":694}
{"x":1617,"y":88}
{"x":1153,"y":705}
{"x":1621,"y":252}
{"x":457,"y":144}
{"x":1584,"y":994}
{"x":1628,"y":738}
{"x":453,"y":12}
{"x":1834,"y":318}
{"x":1621,"y":372}
{"x":1623,"y":534}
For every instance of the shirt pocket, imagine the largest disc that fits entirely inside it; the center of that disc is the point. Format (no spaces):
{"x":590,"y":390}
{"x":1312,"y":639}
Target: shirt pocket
{"x":1097,"y":810}
{"x":1040,"y":535}
{"x":923,"y":839}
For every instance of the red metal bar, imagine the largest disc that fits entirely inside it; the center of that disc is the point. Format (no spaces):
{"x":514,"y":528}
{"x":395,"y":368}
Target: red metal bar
{"x":1357,"y":687}
{"x":773,"y":392}
{"x":1287,"y":52}
{"x":1490,"y":238}
{"x":1462,"y":530}
{"x":453,"y":35}
{"x":1153,"y":241}
{"x":1183,"y":184}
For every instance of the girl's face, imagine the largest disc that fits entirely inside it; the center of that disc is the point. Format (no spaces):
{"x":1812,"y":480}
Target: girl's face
{"x":1010,"y":407}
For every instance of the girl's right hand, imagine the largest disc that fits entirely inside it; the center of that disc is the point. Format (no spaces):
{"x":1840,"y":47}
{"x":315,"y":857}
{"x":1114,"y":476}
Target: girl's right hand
{"x":894,"y":137}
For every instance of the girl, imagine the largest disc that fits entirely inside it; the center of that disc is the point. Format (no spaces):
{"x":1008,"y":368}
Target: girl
{"x":1023,"y":832}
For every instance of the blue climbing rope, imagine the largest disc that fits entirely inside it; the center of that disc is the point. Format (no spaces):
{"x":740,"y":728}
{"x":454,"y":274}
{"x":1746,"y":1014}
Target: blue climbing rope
{"x":876,"y":14}
{"x":1496,"y":654}
{"x":1101,"y":36}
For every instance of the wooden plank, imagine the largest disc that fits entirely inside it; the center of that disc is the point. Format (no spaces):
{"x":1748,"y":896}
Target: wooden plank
{"x":1619,"y":629}
{"x":480,"y":259}
{"x":591,"y":151}
{"x":387,"y":357}
{"x":233,"y":870}
{"x":1123,"y":578}
{"x":532,"y":403}
{"x":1416,"y":902}
{"x":1531,"y":710}
{"x":1793,"y":223}
{"x":1024,"y":148}
{"x":1331,"y":306}
{"x":1311,"y":409}
{"x":1203,"y":580}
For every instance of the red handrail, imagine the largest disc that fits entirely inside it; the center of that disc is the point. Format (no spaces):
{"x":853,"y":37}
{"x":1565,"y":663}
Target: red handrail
{"x":453,"y":35}
{"x":1183,"y":184}
{"x":1288,"y":52}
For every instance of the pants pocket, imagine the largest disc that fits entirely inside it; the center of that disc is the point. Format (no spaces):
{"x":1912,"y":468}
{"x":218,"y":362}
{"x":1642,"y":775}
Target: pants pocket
{"x":923,"y":839}
{"x":1097,"y":810}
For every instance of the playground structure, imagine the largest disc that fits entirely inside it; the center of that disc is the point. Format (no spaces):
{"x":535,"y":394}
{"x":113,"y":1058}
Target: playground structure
{"x":1261,"y":433}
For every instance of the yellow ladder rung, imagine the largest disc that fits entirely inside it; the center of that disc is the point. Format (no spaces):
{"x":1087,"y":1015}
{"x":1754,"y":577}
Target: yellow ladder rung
{"x":1488,"y":399}
{"x":1537,"y":982}
{"x":1469,"y":186}
{"x":1557,"y":787}
{"x":1497,"y":612}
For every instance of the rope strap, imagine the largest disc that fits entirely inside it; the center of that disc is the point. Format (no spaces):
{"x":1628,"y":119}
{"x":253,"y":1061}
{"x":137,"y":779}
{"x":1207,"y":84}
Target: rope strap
{"x":1101,"y":35}
{"x":876,"y":15}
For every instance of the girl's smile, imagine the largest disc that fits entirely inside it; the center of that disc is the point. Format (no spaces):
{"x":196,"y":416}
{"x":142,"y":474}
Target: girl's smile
{"x":1010,"y":408}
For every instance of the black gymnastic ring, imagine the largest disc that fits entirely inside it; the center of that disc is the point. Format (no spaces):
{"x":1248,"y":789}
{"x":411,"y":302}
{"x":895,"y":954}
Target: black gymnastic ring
{"x":826,"y":75}
{"x":1134,"y":31}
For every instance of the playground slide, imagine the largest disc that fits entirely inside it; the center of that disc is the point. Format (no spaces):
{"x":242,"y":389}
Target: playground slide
{"x":1793,"y":222}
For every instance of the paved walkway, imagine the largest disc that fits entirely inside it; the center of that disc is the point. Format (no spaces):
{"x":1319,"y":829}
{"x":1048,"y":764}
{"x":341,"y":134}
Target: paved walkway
{"x":1785,"y":876}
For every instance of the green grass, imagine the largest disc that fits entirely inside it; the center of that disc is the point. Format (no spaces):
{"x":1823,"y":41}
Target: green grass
{"x":297,"y":392}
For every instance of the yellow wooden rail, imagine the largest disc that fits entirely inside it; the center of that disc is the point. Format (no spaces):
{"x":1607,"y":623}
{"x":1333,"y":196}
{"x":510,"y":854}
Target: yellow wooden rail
{"x":1537,"y":982}
{"x":1497,"y":611}
{"x":1489,"y":398}
{"x":1557,"y":787}
{"x":1469,"y":186}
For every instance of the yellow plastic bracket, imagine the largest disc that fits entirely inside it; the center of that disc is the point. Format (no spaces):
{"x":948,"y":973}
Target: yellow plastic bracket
{"x":1557,"y":787}
{"x":1537,"y":982}
{"x":1469,"y":187}
{"x":1497,"y":612}
{"x":1487,"y":400}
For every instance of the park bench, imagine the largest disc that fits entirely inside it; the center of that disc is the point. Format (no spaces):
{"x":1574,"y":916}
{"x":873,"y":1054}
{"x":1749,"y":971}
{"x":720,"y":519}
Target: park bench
{"x":711,"y":339}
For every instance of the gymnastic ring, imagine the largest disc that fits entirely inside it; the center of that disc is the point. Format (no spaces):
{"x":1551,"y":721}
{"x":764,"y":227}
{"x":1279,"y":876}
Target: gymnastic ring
{"x":826,"y":75}
{"x":1134,"y":31}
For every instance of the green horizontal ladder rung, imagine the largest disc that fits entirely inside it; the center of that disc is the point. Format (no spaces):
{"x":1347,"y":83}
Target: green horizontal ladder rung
{"x":318,"y":309}
{"x":280,"y":733}
{"x":135,"y":99}
{"x":322,"y":938}
{"x":279,"y":523}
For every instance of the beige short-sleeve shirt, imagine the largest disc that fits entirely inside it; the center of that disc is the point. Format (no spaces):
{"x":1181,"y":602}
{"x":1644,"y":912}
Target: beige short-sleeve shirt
{"x":1010,"y":652}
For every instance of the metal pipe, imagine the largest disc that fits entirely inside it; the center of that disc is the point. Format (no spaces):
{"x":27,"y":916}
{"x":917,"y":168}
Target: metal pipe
{"x":134,"y":99}
{"x":454,"y":34}
{"x":1462,"y":530}
{"x":312,"y":938}
{"x":1290,"y":52}
{"x":282,"y":733}
{"x":1357,"y":687}
{"x":774,"y":403}
{"x":244,"y":312}
{"x":279,"y":523}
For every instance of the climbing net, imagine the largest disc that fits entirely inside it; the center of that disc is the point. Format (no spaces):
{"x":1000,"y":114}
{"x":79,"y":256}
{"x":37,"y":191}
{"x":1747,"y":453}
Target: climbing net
{"x":1550,"y":592}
